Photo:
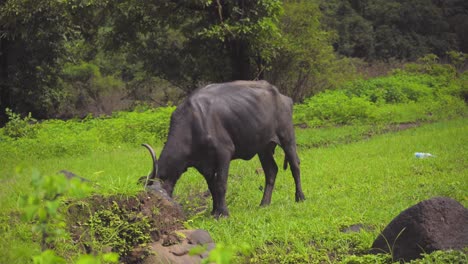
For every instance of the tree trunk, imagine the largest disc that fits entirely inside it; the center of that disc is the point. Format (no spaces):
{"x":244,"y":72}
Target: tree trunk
{"x":240,"y":62}
{"x":4,"y":89}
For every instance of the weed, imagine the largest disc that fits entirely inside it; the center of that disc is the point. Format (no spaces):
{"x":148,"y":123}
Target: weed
{"x":42,"y":204}
{"x":119,"y":229}
{"x":18,"y":127}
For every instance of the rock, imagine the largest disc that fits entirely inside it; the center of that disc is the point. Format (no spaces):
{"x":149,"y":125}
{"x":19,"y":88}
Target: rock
{"x":355,"y":228}
{"x":156,"y":187}
{"x":439,"y":223}
{"x":175,"y":253}
{"x":70,"y":175}
{"x":198,"y":237}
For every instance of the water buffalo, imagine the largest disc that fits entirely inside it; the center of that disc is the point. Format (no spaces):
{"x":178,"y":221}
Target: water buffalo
{"x":226,"y":121}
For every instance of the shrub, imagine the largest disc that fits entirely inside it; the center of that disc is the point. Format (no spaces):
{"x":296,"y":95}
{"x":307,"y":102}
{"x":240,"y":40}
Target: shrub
{"x":119,"y":228}
{"x":87,"y":90}
{"x":335,"y":107}
{"x":81,"y":72}
{"x":398,"y":88}
{"x":79,"y":137}
{"x":446,"y":107}
{"x":430,"y":65}
{"x":18,"y":127}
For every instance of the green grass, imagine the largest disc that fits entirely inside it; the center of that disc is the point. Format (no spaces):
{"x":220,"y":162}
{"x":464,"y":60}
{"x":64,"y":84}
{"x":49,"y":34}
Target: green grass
{"x":368,"y":181}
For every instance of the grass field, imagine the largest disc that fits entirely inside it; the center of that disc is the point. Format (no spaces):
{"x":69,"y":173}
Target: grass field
{"x":350,"y":175}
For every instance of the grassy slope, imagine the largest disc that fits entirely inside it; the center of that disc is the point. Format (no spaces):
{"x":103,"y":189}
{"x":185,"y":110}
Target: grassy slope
{"x":366,"y":182}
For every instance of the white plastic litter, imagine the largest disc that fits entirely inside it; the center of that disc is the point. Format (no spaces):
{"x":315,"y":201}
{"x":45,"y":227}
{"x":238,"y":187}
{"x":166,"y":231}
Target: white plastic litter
{"x":422,"y":155}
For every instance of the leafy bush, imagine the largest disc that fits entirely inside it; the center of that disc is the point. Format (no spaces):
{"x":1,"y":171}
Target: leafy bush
{"x":78,"y":137}
{"x":430,"y":65}
{"x":41,"y":205}
{"x":419,"y":93}
{"x":334,"y":107}
{"x":81,"y":72}
{"x":18,"y":127}
{"x":87,"y":90}
{"x":463,"y":90}
{"x":398,"y":88}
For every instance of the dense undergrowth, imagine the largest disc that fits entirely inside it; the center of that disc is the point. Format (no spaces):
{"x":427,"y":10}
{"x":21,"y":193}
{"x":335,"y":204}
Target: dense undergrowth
{"x":411,"y":97}
{"x":419,"y":93}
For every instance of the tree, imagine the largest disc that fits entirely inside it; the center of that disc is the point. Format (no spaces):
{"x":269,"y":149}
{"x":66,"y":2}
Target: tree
{"x":304,"y":64}
{"x":398,"y":29}
{"x":172,"y":38}
{"x":31,"y":42}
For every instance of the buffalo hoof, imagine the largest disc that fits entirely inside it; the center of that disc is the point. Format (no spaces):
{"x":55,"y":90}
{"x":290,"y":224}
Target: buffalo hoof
{"x":220,"y":213}
{"x":300,"y":197}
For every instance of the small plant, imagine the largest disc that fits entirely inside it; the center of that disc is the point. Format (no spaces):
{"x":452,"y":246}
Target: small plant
{"x":379,"y":258}
{"x":223,"y":254}
{"x":18,"y":127}
{"x":119,"y":229}
{"x":41,"y":206}
{"x":442,"y":257}
{"x":49,"y":257}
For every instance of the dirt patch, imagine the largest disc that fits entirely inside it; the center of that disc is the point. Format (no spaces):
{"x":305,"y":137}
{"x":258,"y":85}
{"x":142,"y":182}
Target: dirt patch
{"x":301,"y":125}
{"x":401,"y":126}
{"x":121,"y":223}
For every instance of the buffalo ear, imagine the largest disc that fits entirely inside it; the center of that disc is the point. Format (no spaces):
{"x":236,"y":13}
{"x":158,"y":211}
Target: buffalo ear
{"x":154,"y":171}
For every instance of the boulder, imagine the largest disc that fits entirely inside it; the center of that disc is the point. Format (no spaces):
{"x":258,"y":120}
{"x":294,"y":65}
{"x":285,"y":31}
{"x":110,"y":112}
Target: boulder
{"x":175,"y":248}
{"x":439,"y":223}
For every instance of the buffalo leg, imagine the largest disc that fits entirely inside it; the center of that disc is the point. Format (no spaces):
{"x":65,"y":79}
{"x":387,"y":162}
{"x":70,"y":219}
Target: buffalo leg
{"x":293,"y":159}
{"x":270,"y":169}
{"x":219,"y":186}
{"x":211,"y":181}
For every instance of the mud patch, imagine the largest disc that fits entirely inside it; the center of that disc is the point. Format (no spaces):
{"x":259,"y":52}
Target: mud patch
{"x":121,"y":223}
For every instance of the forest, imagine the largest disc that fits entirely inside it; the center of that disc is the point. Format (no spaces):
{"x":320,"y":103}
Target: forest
{"x":83,"y":83}
{"x":69,"y":58}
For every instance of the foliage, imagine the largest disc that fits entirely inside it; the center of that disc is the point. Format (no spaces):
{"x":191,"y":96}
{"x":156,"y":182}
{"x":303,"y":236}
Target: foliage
{"x":420,"y":92}
{"x":18,"y":127}
{"x":382,"y":29}
{"x":58,"y":138}
{"x":50,"y":257}
{"x":224,"y":254}
{"x":101,"y":258}
{"x":336,"y":107}
{"x":305,"y":63}
{"x":42,"y":204}
{"x":119,"y":229}
{"x":458,"y":59}
{"x":82,"y":57}
{"x":41,"y":207}
{"x":250,"y":32}
{"x":86,"y":87}
{"x":380,"y":258}
{"x":32,"y":39}
{"x":440,"y":257}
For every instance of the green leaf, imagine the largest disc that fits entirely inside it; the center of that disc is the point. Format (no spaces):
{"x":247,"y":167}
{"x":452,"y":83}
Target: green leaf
{"x":110,"y":257}
{"x":48,"y":257}
{"x":88,"y":259}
